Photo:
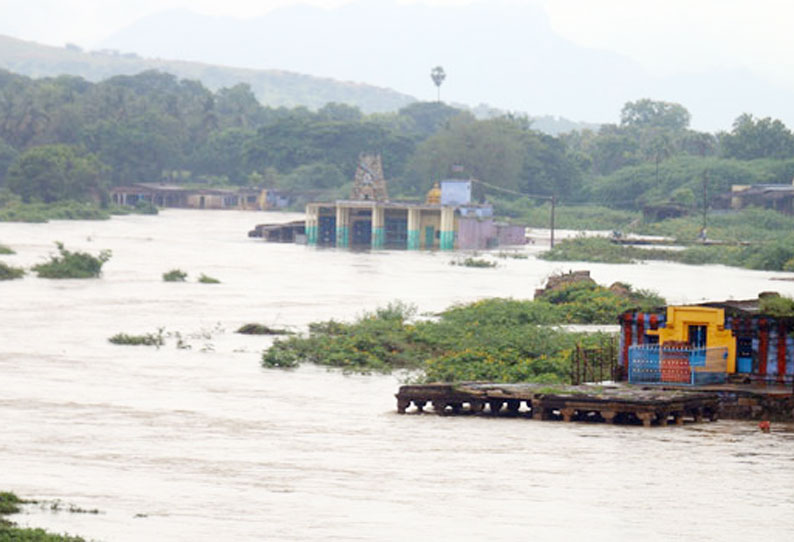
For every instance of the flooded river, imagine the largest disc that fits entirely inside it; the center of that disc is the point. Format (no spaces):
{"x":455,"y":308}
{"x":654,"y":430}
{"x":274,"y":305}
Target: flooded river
{"x":201,"y":443}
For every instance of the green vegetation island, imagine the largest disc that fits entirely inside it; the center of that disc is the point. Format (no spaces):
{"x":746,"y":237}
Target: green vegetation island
{"x":497,"y":340}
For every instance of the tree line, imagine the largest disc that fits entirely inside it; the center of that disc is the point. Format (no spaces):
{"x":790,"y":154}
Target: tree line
{"x":64,"y":138}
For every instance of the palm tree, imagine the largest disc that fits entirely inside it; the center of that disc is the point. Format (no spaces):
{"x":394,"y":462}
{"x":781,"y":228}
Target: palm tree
{"x":660,"y":148}
{"x":437,"y":75}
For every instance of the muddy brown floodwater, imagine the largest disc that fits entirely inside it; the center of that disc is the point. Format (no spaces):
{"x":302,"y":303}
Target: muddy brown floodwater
{"x":201,"y":443}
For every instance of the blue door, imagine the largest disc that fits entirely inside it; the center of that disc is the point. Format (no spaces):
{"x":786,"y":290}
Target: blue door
{"x":744,"y":355}
{"x":362,"y":233}
{"x":430,"y":237}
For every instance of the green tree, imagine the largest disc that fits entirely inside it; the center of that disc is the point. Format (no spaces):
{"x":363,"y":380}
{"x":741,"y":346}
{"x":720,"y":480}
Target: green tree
{"x":698,"y":143}
{"x":224,"y":154}
{"x":491,"y":151}
{"x":502,"y":151}
{"x":8,"y":155}
{"x":646,"y":113}
{"x":296,"y":141}
{"x":57,"y":172}
{"x":23,"y":115}
{"x":427,"y":117}
{"x":238,"y":107}
{"x":549,"y":168}
{"x":337,"y":111}
{"x":316,"y":176}
{"x":753,"y":138}
{"x":138,"y":150}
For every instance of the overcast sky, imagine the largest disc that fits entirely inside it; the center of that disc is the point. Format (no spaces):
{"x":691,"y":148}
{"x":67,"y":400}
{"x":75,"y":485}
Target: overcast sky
{"x":664,"y":36}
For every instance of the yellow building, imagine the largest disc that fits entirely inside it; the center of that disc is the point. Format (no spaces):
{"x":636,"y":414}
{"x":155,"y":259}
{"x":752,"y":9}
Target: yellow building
{"x":698,"y":327}
{"x":721,"y":337}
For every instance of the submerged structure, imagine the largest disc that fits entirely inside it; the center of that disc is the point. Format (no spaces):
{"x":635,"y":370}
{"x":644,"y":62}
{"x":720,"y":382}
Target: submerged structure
{"x":447,"y":219}
{"x":610,"y":404}
{"x":707,"y":343}
{"x":178,"y":196}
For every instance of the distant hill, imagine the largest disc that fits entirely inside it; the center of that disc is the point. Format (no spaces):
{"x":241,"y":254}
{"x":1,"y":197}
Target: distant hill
{"x":272,"y":87}
{"x":500,"y":52}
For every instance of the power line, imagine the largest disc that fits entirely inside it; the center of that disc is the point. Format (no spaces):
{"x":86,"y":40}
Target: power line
{"x":514,"y":192}
{"x":549,"y":198}
{"x":552,"y":199}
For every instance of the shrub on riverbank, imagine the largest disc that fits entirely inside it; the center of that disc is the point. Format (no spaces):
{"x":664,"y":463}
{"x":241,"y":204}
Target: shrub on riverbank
{"x":504,"y":340}
{"x":204,"y":279}
{"x":5,"y":250}
{"x":10,"y":504}
{"x":8,"y":272}
{"x":72,"y":265}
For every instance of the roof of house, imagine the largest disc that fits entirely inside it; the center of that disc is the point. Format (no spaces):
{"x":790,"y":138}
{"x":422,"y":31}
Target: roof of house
{"x":744,"y":307}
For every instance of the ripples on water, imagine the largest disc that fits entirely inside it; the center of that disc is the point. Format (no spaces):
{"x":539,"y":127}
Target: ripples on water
{"x":203,"y":444}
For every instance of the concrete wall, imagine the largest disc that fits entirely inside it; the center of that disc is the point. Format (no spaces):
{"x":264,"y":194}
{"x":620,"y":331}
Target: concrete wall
{"x":475,"y":234}
{"x":204,"y":201}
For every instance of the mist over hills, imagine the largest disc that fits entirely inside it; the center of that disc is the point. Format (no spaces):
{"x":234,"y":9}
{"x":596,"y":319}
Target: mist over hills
{"x":515,"y":64}
{"x":377,"y":55}
{"x":272,"y":87}
{"x":503,"y":55}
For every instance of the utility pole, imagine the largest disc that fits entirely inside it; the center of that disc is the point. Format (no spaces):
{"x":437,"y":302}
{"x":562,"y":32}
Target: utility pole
{"x":705,"y":198}
{"x":552,"y":199}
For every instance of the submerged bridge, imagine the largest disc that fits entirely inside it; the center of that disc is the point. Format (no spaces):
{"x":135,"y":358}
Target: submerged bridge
{"x":611,"y":403}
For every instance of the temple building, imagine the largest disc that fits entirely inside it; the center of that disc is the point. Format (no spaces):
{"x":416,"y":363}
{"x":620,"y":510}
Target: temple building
{"x":447,"y":220}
